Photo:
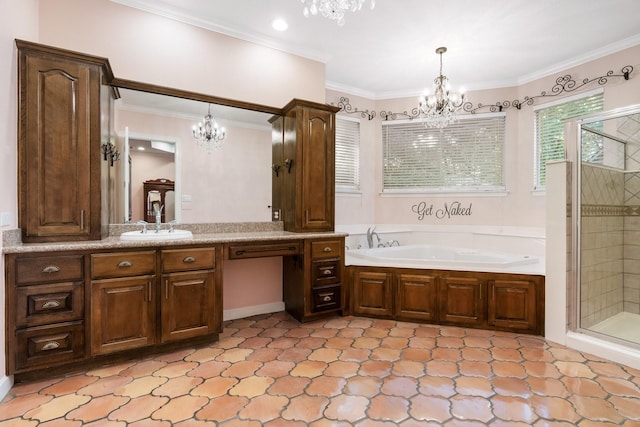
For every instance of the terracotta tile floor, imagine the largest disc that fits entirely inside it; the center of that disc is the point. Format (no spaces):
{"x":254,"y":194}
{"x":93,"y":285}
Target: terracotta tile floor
{"x":272,"y":371}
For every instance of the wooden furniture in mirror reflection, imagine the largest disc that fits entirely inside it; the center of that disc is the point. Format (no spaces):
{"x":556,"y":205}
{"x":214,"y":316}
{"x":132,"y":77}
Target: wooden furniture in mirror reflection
{"x":155,"y":190}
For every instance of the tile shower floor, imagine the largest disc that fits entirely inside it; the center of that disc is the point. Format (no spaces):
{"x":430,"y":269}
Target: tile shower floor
{"x":272,"y":371}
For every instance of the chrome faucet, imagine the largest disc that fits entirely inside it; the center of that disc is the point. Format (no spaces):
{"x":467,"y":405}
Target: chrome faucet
{"x":158,"y":211}
{"x":371,"y":231}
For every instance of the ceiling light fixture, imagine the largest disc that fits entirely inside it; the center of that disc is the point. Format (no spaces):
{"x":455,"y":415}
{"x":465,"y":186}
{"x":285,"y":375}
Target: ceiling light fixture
{"x":279,"y":24}
{"x":440,"y":109}
{"x":333,"y":9}
{"x":208,"y":135}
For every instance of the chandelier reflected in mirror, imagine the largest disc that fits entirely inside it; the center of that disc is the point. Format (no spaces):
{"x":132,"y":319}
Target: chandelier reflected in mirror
{"x":440,"y":109}
{"x":208,"y":134}
{"x":333,"y":9}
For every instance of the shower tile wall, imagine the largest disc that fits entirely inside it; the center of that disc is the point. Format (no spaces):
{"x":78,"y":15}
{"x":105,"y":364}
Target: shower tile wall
{"x":632,"y":243}
{"x":602,"y":251}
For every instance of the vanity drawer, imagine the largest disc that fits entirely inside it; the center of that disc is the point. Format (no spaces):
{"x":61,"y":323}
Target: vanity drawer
{"x":63,"y":268}
{"x":325,"y":272}
{"x":46,"y":346}
{"x":326,"y":249}
{"x":326,"y":298}
{"x":53,"y":303}
{"x":188,"y":259}
{"x":240,"y":251}
{"x":123,"y":264}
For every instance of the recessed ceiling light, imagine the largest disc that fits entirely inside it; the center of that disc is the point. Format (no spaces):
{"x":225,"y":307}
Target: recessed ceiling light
{"x":141,"y":148}
{"x":279,"y":24}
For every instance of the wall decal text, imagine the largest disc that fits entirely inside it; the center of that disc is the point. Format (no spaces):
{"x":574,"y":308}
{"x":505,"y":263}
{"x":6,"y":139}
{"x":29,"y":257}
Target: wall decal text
{"x":446,"y":211}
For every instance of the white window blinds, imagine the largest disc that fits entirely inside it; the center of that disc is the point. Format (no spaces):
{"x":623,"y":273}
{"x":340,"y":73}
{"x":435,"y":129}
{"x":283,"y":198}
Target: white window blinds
{"x":464,"y":156}
{"x":347,"y":153}
{"x":549,"y":128}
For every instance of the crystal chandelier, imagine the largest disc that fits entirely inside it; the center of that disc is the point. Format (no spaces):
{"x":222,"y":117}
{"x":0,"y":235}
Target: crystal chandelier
{"x":439,"y":110}
{"x":333,"y":9}
{"x":208,"y":135}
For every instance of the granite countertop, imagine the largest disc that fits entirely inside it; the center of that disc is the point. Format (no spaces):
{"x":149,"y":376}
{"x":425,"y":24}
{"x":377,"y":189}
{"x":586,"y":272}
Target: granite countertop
{"x":202,"y":234}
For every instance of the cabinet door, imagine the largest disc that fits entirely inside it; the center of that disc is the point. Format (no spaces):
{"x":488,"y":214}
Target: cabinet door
{"x":188,"y":305}
{"x":59,"y":123}
{"x":372,"y":293}
{"x":416,"y":297}
{"x":317,"y":183}
{"x":512,"y":304}
{"x":122,"y":314}
{"x":462,"y":301}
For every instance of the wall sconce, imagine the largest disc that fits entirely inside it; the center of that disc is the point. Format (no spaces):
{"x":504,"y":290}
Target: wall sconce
{"x":110,"y":153}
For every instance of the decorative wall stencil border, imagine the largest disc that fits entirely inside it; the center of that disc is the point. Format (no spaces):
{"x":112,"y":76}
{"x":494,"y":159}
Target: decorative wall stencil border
{"x":564,"y":84}
{"x":610,"y":210}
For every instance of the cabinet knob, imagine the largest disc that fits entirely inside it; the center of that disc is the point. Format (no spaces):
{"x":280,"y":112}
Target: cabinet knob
{"x":51,"y":269}
{"x":189,"y":259}
{"x":327,"y":272}
{"x":51,"y":345}
{"x":326,"y":249}
{"x":326,"y":299}
{"x":124,"y":264}
{"x":51,"y":304}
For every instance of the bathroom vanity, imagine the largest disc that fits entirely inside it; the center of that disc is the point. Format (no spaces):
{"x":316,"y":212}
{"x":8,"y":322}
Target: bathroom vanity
{"x":80,"y":304}
{"x":78,"y":295}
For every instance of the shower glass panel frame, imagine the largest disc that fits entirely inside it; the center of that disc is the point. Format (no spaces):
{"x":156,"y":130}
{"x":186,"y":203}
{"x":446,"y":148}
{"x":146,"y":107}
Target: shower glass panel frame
{"x":606,"y":226}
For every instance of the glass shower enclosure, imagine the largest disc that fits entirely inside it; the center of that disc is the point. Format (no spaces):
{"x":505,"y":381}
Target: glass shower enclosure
{"x":606,"y":264}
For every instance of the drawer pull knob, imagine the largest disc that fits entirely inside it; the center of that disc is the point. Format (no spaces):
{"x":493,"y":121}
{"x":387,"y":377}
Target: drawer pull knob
{"x":326,"y":249}
{"x":51,"y":269}
{"x":189,"y":259}
{"x":51,"y":304}
{"x":51,"y":345}
{"x":327,"y":272}
{"x":326,"y":297}
{"x":124,"y":264}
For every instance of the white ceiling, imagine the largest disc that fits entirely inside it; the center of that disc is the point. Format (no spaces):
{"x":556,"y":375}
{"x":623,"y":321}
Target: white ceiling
{"x":389,"y":52}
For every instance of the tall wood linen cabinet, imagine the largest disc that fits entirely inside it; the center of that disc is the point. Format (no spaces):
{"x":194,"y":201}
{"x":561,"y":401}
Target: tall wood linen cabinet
{"x":60,"y":128}
{"x":303,"y":190}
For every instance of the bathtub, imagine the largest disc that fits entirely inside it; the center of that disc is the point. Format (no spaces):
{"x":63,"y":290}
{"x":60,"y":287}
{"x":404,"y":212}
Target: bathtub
{"x":442,"y":257}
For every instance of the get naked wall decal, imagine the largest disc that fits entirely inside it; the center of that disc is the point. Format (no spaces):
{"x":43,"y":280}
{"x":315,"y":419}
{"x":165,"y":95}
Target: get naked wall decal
{"x":445,"y":211}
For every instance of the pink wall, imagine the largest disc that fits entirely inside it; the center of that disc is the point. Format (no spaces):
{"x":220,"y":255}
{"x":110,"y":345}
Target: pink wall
{"x":153,"y":49}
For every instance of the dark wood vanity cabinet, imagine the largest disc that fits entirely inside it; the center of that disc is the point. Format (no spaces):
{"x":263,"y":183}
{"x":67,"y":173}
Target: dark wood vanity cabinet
{"x":84,"y":307}
{"x":304,"y":166}
{"x":501,"y":301}
{"x":313,"y":280}
{"x":190,"y":293}
{"x":45,"y":311}
{"x":123,"y":309}
{"x":59,"y":143}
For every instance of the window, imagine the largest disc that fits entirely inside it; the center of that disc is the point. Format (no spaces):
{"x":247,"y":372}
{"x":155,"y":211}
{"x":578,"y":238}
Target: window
{"x":549,"y":128}
{"x":347,"y":154}
{"x":464,"y":156}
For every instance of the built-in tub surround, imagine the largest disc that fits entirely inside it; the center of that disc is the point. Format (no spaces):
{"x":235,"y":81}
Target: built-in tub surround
{"x":504,"y":249}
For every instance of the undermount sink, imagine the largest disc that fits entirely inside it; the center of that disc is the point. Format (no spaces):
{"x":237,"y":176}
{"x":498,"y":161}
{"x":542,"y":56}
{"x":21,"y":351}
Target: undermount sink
{"x":160,"y":235}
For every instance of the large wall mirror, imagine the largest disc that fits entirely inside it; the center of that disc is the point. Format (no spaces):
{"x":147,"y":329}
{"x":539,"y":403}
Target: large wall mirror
{"x":153,"y":133}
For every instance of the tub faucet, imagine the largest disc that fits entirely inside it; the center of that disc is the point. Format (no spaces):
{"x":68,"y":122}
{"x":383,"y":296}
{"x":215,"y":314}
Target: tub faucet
{"x":371,"y":231}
